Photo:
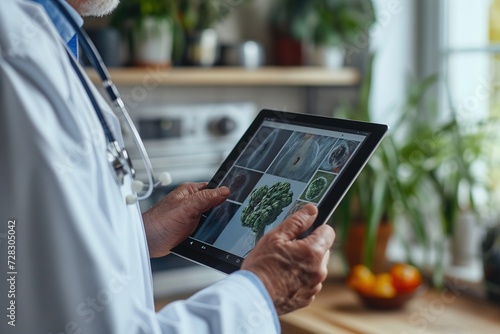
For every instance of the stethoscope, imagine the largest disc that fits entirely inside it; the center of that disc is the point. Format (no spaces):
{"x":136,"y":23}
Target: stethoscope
{"x":117,"y":156}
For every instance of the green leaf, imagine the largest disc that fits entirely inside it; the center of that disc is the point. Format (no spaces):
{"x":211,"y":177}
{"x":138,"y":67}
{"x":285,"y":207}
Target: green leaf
{"x":373,"y":219}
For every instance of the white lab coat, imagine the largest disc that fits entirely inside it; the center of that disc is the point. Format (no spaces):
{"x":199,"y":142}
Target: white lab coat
{"x":81,"y":255}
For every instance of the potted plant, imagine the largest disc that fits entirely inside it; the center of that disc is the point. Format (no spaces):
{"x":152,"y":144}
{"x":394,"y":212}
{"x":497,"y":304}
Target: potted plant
{"x":371,"y":204}
{"x":149,"y":24}
{"x":410,"y":167}
{"x":325,"y":25}
{"x":287,"y":43}
{"x":196,"y":18}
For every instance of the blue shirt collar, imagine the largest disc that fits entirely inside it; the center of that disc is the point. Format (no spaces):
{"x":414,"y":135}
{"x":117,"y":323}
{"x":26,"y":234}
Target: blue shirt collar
{"x":68,"y":34}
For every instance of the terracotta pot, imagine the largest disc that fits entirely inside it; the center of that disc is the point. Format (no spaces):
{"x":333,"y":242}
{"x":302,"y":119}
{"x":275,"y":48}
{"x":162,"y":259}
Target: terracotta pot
{"x":353,"y":245}
{"x":287,"y":51}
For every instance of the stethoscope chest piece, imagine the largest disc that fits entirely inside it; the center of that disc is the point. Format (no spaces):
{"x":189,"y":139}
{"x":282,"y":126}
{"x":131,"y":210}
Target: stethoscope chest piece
{"x":119,"y":161}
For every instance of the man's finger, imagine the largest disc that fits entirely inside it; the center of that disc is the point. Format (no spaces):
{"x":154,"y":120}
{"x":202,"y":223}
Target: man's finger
{"x":298,"y":223}
{"x":326,"y":258}
{"x":323,"y":237}
{"x":206,"y":199}
{"x":201,"y":185}
{"x":189,"y":188}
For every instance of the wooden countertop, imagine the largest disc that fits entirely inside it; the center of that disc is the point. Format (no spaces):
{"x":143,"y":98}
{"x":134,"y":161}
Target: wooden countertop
{"x":338,"y":310}
{"x":232,"y":76}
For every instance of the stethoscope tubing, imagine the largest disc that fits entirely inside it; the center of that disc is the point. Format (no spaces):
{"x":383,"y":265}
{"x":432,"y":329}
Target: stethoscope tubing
{"x":97,"y":63}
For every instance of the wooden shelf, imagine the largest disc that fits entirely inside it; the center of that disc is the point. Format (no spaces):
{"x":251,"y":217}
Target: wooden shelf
{"x":232,"y":76}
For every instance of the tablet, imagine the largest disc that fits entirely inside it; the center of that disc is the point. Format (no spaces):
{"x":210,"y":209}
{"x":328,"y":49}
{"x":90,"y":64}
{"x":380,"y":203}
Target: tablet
{"x":283,"y":161}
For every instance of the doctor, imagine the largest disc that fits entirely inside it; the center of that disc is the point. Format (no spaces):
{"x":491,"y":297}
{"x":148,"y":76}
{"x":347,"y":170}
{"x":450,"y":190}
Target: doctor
{"x":79,"y":253}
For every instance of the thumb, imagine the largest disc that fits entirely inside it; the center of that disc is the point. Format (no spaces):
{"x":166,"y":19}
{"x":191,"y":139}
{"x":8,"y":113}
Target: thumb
{"x":206,"y":199}
{"x":298,"y":223}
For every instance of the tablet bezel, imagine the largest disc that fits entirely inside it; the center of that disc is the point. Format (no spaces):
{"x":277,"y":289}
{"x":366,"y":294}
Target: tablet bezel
{"x":207,"y":255}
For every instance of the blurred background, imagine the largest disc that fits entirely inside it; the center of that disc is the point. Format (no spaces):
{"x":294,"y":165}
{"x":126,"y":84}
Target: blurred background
{"x":194,"y":74}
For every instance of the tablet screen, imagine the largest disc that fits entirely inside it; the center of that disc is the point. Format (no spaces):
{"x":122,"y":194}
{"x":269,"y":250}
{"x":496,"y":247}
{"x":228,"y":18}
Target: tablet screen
{"x":280,"y":167}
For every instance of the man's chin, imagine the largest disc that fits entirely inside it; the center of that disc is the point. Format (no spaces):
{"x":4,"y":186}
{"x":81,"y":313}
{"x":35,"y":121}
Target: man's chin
{"x":94,"y":7}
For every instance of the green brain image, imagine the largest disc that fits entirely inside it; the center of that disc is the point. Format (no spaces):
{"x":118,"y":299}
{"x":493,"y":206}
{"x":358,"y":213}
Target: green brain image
{"x":266,"y":204}
{"x":315,"y":188}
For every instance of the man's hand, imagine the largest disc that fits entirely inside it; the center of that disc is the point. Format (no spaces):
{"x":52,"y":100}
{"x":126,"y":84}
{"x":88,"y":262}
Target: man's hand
{"x":176,"y":216}
{"x":292,"y":269}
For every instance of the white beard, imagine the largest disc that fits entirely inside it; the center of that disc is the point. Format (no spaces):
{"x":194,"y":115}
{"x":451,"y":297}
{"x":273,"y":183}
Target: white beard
{"x":94,"y":7}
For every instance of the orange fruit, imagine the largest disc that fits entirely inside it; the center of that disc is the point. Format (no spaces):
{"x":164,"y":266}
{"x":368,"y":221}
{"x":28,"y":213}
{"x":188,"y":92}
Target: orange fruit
{"x":361,"y":279}
{"x":383,"y":287}
{"x":405,"y":277}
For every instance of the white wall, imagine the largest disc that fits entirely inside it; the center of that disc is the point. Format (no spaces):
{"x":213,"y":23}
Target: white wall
{"x":394,"y":43}
{"x":469,"y":72}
